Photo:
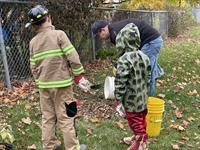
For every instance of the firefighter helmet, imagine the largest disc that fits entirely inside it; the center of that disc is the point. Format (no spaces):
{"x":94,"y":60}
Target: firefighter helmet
{"x":37,"y":15}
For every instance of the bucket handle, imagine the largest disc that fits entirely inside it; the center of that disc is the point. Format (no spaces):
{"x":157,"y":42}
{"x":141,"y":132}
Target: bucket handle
{"x":154,"y":120}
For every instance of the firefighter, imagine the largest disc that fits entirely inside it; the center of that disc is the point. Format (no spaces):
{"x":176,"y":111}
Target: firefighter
{"x":55,"y":65}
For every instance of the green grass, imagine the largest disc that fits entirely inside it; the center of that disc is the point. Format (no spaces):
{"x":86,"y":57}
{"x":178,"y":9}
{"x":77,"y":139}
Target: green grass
{"x":178,"y":60}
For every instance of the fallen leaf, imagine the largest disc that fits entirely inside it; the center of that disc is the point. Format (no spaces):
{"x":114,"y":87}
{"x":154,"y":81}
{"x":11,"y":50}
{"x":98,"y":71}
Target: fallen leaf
{"x":26,"y":120}
{"x":181,"y":143}
{"x":159,"y":82}
{"x":95,"y":120}
{"x":175,"y":146}
{"x":28,"y":106}
{"x":32,"y":147}
{"x":174,"y":68}
{"x":178,"y":114}
{"x":185,"y":138}
{"x":90,"y":131}
{"x":185,"y":123}
{"x":190,"y":119}
{"x":169,"y":102}
{"x":161,"y":95}
{"x":173,"y":76}
{"x":190,"y":145}
{"x":6,"y":100}
{"x":180,"y":128}
{"x":181,"y":85}
{"x":1,"y":85}
{"x":177,"y":127}
{"x":191,"y":93}
{"x":197,"y":62}
{"x":120,"y":124}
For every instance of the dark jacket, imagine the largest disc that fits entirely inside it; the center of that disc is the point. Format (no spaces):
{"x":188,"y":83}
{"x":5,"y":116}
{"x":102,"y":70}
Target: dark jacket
{"x":147,"y":33}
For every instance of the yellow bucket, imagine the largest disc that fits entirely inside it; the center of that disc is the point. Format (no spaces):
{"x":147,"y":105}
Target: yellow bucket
{"x":155,"y":108}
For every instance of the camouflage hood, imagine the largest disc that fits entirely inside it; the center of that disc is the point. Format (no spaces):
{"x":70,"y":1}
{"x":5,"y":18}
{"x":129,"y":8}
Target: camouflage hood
{"x":128,"y":39}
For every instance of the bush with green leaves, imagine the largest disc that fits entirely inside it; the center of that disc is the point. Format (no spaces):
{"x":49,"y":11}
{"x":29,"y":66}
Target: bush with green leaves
{"x":6,"y":135}
{"x":107,"y":53}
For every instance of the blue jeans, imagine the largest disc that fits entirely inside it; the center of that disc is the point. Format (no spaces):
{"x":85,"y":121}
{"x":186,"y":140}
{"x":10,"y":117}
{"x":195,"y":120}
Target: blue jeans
{"x":152,"y":50}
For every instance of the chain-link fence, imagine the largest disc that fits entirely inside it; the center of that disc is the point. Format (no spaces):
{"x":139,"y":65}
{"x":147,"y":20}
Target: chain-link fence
{"x":15,"y":43}
{"x":15,"y":40}
{"x":13,"y":16}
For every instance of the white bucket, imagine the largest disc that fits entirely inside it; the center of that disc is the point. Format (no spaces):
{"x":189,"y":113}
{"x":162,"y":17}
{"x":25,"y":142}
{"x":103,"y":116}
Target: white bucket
{"x":109,"y":88}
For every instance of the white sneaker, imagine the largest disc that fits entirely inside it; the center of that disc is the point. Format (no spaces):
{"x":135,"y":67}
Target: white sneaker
{"x":129,"y":140}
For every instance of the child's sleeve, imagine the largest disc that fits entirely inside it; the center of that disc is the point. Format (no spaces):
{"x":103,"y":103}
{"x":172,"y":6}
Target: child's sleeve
{"x":121,"y":80}
{"x":71,"y":54}
{"x":33,"y":67}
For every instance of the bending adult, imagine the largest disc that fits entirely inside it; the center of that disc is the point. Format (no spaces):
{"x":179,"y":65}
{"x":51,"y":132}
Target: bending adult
{"x":151,"y":42}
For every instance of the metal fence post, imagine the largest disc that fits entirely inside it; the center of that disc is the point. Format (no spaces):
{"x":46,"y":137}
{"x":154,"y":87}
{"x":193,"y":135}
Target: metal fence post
{"x":2,"y":47}
{"x":93,"y":44}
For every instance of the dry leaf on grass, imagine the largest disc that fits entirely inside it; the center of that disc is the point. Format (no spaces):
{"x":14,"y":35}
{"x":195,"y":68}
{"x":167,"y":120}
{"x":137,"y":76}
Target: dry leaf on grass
{"x":190,"y":119}
{"x":175,"y":146}
{"x":178,"y":113}
{"x":26,"y":120}
{"x":190,"y":145}
{"x":32,"y":147}
{"x":161,"y":95}
{"x":120,"y":124}
{"x":159,"y":82}
{"x":95,"y":120}
{"x":192,"y":92}
{"x":177,"y":127}
{"x":28,"y":106}
{"x":180,"y":128}
{"x":185,"y":138}
{"x":90,"y":131}
{"x":197,"y":62}
{"x":1,"y":85}
{"x":185,"y":123}
{"x":181,"y":85}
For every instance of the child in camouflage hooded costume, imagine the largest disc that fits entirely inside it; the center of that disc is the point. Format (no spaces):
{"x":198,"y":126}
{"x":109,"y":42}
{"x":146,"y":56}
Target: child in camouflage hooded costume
{"x":132,"y":83}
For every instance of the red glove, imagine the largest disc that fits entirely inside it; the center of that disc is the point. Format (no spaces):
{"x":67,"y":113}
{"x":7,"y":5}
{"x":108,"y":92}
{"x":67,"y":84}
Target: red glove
{"x":116,"y":103}
{"x":78,"y":78}
{"x":78,"y":102}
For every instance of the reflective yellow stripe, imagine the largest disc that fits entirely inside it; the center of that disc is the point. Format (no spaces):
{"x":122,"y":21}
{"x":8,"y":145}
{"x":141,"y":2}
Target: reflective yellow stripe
{"x":32,"y":61}
{"x":51,"y":53}
{"x":55,"y":84}
{"x":36,"y":81}
{"x":46,"y":54}
{"x":78,"y":147}
{"x":78,"y":70}
{"x":68,"y":49}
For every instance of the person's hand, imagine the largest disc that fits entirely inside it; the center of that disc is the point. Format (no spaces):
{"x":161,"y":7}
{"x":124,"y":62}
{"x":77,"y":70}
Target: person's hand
{"x":84,"y":84}
{"x":120,"y":108}
{"x":114,"y":70}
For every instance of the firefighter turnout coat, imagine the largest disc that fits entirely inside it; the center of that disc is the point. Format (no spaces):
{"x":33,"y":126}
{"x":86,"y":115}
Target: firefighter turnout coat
{"x":54,"y":60}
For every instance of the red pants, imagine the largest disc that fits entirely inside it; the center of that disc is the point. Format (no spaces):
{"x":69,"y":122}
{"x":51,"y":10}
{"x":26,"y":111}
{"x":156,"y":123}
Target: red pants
{"x":137,"y":123}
